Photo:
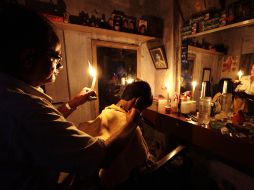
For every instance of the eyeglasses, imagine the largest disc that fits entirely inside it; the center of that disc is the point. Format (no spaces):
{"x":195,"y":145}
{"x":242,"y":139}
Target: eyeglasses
{"x":55,"y":57}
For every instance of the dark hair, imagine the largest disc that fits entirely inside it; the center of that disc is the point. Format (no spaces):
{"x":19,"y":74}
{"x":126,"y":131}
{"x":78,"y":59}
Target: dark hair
{"x":138,"y":89}
{"x":22,"y":29}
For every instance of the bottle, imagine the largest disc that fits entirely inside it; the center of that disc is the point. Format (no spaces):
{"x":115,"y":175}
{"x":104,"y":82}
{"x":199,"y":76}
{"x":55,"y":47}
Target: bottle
{"x":204,"y":107}
{"x":179,"y":106}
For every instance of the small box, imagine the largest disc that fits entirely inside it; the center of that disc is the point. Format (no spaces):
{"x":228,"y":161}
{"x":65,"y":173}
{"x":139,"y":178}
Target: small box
{"x":188,"y":106}
{"x":161,"y":105}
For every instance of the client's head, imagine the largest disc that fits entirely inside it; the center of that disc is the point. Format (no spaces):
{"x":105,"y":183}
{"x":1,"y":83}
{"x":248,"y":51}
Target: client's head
{"x":138,"y":89}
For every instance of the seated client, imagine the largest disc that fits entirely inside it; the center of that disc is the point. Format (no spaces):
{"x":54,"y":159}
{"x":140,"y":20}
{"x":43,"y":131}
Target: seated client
{"x":110,"y":119}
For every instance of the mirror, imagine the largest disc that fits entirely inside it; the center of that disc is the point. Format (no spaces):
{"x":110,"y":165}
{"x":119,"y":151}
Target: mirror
{"x":117,"y":65}
{"x":200,"y":65}
{"x":245,"y":63}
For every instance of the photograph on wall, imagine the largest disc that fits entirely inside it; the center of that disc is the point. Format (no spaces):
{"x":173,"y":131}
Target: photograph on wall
{"x":229,"y":67}
{"x":159,"y":58}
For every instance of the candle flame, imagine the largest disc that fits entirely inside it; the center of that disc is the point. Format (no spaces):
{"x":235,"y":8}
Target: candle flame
{"x":92,"y":70}
{"x":129,"y":80}
{"x":240,"y":74}
{"x":167,"y":85}
{"x":194,"y":84}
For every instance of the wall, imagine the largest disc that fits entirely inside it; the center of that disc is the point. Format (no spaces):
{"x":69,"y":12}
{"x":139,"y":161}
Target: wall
{"x":78,"y":51}
{"x":130,"y":7}
{"x":159,"y":8}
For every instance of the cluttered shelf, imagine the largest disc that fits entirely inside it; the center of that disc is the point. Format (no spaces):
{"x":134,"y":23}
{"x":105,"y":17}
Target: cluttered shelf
{"x":229,"y":26}
{"x":94,"y":30}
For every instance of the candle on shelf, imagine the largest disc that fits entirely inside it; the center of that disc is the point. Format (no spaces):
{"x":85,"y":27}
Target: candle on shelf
{"x":92,"y":72}
{"x":203,"y":89}
{"x":240,"y":74}
{"x":225,"y":86}
{"x":194,"y":84}
{"x":168,"y":101}
{"x":168,"y":92}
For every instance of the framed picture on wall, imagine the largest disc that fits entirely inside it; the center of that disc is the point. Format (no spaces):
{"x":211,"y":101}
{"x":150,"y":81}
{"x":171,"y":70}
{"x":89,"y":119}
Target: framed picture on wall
{"x":159,"y":58}
{"x":206,"y":74}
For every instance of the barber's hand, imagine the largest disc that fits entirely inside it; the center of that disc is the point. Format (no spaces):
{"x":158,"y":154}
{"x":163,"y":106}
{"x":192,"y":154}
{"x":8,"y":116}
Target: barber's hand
{"x":82,"y":97}
{"x":133,"y":115}
{"x":140,"y":104}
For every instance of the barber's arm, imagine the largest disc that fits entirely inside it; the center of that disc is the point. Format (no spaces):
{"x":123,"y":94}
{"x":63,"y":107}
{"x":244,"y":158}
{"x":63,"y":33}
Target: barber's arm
{"x":83,"y":96}
{"x":120,"y":138}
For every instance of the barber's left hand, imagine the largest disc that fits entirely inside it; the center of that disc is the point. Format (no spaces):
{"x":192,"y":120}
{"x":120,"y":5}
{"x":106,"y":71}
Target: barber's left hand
{"x":82,"y":97}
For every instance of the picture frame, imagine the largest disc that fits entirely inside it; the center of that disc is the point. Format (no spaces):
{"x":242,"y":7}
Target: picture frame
{"x":159,"y":58}
{"x":206,"y":75}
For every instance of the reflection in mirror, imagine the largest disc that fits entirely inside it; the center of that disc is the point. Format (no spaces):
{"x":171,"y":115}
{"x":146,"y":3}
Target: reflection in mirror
{"x":117,"y":67}
{"x":187,"y":73}
{"x":245,"y":63}
{"x":247,"y":68}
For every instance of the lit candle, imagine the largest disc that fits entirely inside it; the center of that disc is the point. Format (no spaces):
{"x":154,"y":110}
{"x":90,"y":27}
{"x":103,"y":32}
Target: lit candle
{"x":129,"y":80}
{"x":203,"y":89}
{"x":225,"y":86}
{"x":168,"y":92}
{"x":240,"y":74}
{"x":92,"y":72}
{"x":194,"y":84}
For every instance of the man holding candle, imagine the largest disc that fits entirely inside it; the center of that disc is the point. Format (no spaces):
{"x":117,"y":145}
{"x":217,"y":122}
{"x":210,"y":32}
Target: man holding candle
{"x":39,"y":148}
{"x":244,"y":93}
{"x":247,"y":83}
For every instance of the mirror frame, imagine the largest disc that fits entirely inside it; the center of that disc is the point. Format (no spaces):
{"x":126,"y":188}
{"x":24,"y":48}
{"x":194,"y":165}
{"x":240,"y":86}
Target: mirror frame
{"x":99,"y":43}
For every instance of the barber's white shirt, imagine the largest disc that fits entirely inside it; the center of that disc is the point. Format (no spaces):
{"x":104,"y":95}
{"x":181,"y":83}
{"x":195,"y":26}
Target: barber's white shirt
{"x":246,"y":85}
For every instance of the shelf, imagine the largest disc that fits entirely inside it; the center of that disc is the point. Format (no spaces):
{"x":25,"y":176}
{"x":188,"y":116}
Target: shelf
{"x":235,"y":25}
{"x":94,"y":30}
{"x":206,"y":51}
